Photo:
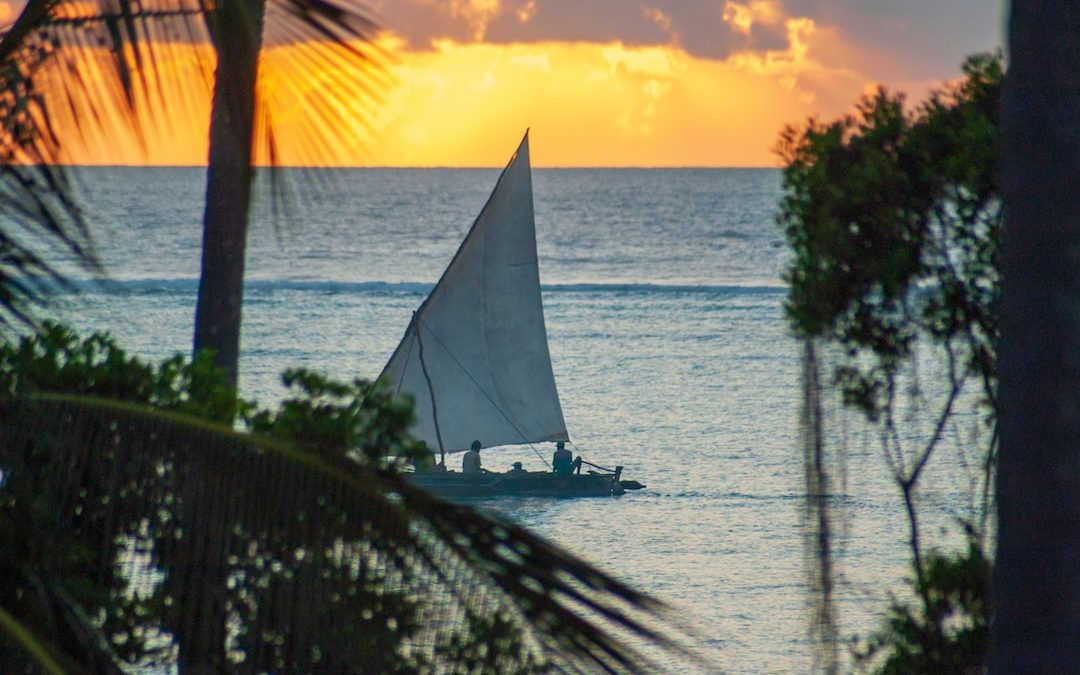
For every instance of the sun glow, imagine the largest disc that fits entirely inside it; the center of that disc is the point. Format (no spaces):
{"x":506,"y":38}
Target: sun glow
{"x":464,"y":104}
{"x":600,"y":104}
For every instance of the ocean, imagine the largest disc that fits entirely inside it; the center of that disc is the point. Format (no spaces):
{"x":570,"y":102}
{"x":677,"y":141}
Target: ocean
{"x":664,"y":306}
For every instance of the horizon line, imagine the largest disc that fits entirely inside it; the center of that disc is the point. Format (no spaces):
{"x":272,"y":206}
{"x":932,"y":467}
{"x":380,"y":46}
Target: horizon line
{"x":438,"y":166}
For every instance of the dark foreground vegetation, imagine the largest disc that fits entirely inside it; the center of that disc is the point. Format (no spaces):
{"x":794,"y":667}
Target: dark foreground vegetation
{"x":142,"y":528}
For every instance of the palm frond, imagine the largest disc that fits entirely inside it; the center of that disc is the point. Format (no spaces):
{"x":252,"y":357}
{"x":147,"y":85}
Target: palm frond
{"x":240,"y":553}
{"x":322,"y":65}
{"x":120,"y":67}
{"x":109,"y":67}
{"x":24,"y":648}
{"x":41,"y":220}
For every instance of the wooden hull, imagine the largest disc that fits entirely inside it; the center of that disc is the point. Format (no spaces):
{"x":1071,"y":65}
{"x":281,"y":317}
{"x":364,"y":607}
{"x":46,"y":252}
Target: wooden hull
{"x":454,"y":485}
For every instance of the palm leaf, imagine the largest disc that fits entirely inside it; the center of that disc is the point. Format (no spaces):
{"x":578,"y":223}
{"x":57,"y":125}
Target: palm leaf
{"x":23,"y":644}
{"x":236,"y":552}
{"x":127,"y":61}
{"x":41,"y":221}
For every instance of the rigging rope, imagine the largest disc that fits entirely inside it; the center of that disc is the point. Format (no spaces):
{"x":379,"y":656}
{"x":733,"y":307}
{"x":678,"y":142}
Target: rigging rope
{"x":595,"y":466}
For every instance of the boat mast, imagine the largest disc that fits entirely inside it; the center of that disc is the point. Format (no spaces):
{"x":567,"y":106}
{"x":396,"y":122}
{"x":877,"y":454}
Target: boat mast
{"x":431,"y":389}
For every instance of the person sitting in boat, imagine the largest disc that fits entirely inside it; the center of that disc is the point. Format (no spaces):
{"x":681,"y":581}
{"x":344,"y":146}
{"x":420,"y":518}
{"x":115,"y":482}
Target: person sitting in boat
{"x":471,"y":462}
{"x":517,"y":468}
{"x":562,"y":462}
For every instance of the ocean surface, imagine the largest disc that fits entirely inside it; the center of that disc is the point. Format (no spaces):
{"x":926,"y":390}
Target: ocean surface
{"x":664,"y":305}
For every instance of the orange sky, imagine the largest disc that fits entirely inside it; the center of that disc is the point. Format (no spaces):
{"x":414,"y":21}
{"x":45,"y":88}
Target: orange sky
{"x":461,"y":97}
{"x":594,"y":104}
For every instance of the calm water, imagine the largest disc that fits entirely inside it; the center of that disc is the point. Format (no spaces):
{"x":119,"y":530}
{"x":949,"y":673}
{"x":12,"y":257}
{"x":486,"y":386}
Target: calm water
{"x":664,"y":311}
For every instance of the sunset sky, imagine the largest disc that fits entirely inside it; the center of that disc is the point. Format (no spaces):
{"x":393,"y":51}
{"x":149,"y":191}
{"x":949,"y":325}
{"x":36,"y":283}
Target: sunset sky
{"x":631,"y":83}
{"x":655,"y":82}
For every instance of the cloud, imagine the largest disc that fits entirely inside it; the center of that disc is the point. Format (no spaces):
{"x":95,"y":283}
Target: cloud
{"x":653,"y":101}
{"x":892,"y":41}
{"x":659,"y":18}
{"x":742,"y":17}
{"x":616,"y":83}
{"x":456,"y":102}
{"x":478,"y":14}
{"x":787,"y":64}
{"x":906,"y":41}
{"x":423,"y":22}
{"x":647,"y":61}
{"x":590,"y":104}
{"x":538,"y":60}
{"x":526,"y":11}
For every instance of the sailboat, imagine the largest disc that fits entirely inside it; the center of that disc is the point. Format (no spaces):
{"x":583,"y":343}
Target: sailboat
{"x":475,"y":357}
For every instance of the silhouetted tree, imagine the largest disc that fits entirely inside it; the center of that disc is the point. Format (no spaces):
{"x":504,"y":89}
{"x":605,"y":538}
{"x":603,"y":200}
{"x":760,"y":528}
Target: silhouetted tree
{"x":236,"y":29}
{"x":893,"y":216}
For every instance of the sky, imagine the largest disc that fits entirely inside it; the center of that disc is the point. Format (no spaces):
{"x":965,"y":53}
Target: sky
{"x":656,"y":82}
{"x":632,"y":83}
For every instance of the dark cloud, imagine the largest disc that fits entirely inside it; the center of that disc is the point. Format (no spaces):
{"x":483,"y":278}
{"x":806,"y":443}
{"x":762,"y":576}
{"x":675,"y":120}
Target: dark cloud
{"x":419,"y":22}
{"x":696,"y":25}
{"x":909,"y":39}
{"x":913,"y":39}
{"x":575,"y":21}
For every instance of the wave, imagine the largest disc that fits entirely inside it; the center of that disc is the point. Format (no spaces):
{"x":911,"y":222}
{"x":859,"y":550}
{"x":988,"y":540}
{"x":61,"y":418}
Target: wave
{"x":187,"y":286}
{"x":660,"y":288}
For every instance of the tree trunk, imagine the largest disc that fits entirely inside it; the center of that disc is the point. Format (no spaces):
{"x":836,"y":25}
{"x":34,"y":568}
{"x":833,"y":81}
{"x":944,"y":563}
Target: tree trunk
{"x":1036,"y":625}
{"x":237,"y":32}
{"x":236,"y":29}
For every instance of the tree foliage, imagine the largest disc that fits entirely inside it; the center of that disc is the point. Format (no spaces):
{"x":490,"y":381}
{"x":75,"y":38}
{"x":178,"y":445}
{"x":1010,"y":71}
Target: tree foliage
{"x":894,"y":220}
{"x":139,"y":535}
{"x":893,"y":215}
{"x":950,"y":634}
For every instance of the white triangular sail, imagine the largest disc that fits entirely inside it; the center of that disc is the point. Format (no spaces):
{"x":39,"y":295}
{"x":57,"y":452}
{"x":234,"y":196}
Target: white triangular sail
{"x":476,"y":351}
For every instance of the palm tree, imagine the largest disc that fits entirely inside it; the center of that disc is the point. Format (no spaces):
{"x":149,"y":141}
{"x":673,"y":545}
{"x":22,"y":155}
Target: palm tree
{"x":1037,"y":570}
{"x":119,"y":58}
{"x":237,"y":32}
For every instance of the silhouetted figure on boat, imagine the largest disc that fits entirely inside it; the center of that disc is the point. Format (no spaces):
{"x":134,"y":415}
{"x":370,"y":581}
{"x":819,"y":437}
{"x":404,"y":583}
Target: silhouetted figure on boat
{"x":562,"y":462}
{"x":471,"y":462}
